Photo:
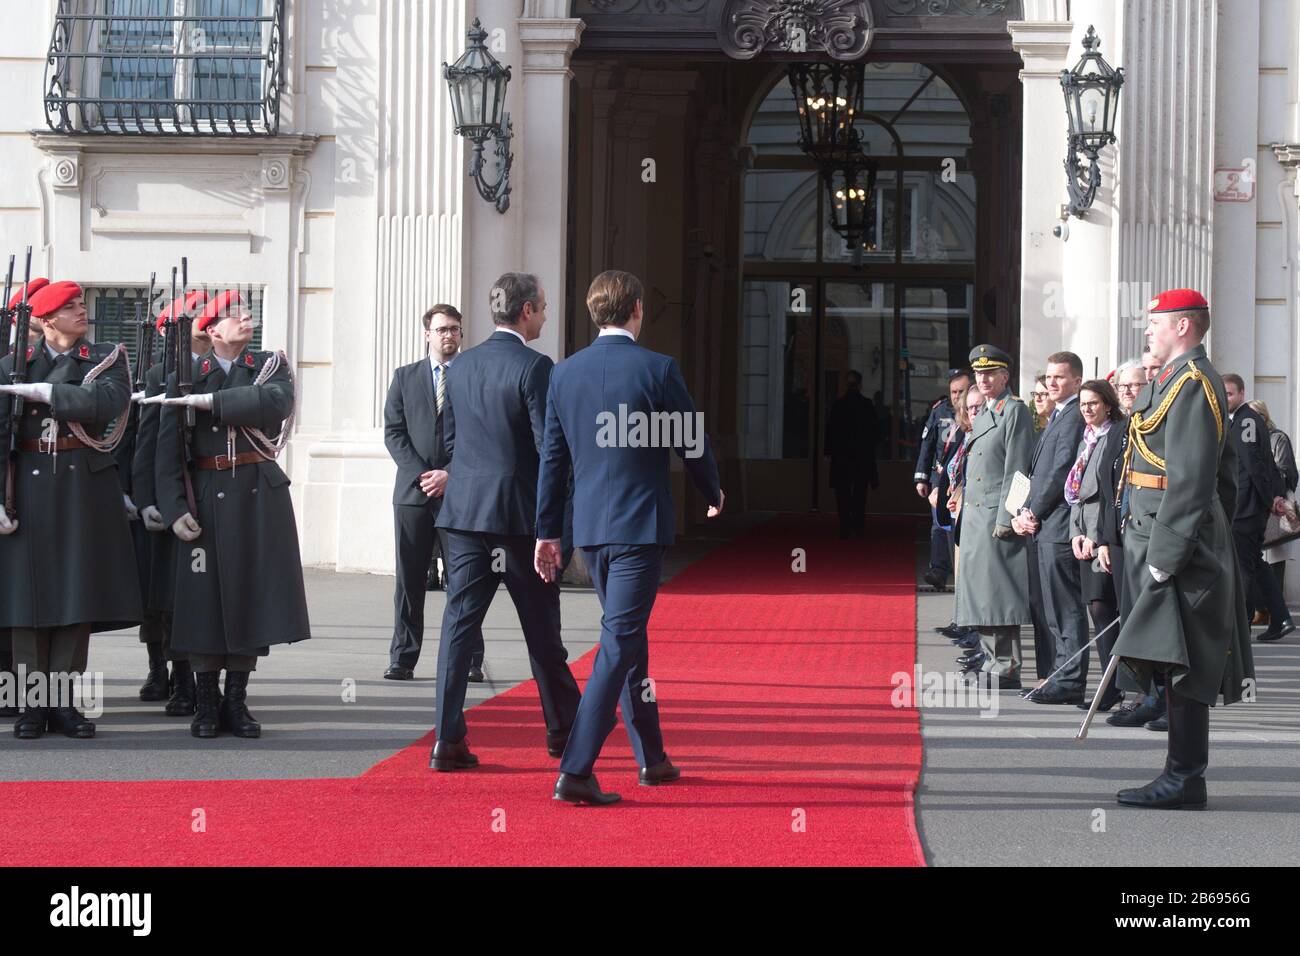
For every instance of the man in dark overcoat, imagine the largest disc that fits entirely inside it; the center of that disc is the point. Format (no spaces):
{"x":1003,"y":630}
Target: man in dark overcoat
{"x":239,"y":587}
{"x":851,"y":447}
{"x":66,"y":564}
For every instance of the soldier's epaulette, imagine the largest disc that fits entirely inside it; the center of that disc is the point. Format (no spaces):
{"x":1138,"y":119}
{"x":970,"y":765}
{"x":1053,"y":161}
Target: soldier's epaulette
{"x":94,"y":352}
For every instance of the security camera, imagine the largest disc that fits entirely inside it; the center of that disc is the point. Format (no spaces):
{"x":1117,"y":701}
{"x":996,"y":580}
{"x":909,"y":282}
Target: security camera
{"x":1062,"y":231}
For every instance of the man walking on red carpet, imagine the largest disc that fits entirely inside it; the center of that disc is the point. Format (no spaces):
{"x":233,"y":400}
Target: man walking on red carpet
{"x":622,"y":517}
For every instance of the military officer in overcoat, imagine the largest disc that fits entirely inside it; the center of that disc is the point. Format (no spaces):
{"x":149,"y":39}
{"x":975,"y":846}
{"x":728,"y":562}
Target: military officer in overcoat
{"x":160,"y":557}
{"x":66,"y":564}
{"x":1188,"y":623}
{"x":993,"y":586}
{"x":239,"y":586}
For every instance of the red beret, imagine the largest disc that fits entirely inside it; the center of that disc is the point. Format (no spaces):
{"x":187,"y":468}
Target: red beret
{"x":32,"y":288}
{"x":1178,"y":300}
{"x":184,"y":303}
{"x":53,"y":297}
{"x":219,"y":307}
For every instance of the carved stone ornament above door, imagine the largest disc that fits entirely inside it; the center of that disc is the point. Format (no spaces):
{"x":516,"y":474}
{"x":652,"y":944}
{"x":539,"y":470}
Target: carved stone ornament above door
{"x":840,"y":28}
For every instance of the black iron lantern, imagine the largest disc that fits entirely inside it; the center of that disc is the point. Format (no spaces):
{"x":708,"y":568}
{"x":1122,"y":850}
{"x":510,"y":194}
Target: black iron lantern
{"x":477,"y":83}
{"x":828,"y":97}
{"x":851,"y":185}
{"x":1091,"y":103}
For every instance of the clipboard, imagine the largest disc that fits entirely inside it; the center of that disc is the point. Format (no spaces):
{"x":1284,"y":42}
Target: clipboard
{"x":1018,"y":493}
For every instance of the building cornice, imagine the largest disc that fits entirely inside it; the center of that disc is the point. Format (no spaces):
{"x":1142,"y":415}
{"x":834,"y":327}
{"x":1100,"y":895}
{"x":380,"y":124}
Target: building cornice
{"x":292,"y":144}
{"x":1042,"y":44}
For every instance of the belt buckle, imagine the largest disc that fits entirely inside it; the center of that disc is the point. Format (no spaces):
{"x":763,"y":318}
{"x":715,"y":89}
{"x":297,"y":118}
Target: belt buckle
{"x":223,"y":463}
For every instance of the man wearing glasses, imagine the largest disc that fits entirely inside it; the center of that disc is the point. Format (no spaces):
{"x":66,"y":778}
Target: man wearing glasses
{"x":413,"y":434}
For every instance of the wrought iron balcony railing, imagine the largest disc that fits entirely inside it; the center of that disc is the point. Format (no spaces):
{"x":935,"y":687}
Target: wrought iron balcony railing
{"x":180,"y":67}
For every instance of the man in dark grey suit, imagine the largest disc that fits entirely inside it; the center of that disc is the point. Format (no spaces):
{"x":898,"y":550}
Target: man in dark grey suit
{"x":494,"y":420}
{"x":1047,"y":516}
{"x":413,"y":435}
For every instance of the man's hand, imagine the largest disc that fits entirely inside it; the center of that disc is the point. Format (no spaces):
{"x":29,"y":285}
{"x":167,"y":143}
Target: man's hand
{"x":934,"y":498}
{"x":33,"y":392}
{"x":1160,"y":576}
{"x":433,"y":483}
{"x":546,"y":558}
{"x":1103,"y":558}
{"x":201,"y":401}
{"x":6,"y":525}
{"x":138,"y":396}
{"x":186,"y":528}
{"x":715,"y":510}
{"x":922,"y":489}
{"x":153,"y":519}
{"x":132,"y":514}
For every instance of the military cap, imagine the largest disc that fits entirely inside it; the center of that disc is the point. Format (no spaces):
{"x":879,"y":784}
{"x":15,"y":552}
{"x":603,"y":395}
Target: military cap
{"x":53,"y":297}
{"x":1178,"y":300}
{"x":184,"y":303}
{"x":984,"y":358}
{"x":33,"y":287}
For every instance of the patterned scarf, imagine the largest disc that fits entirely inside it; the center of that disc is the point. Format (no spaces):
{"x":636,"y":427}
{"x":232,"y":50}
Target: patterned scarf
{"x":1075,"y":478}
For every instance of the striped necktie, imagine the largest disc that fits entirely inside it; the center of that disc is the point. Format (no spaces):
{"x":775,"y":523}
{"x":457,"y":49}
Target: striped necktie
{"x":441,"y":388}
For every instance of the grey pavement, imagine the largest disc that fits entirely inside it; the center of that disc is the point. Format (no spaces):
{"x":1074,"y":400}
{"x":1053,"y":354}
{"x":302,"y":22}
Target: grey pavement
{"x":298,"y":691}
{"x":1017,"y":789}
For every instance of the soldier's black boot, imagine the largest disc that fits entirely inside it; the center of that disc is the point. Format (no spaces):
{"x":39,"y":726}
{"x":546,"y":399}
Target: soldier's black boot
{"x":234,"y":709}
{"x":1182,"y":785}
{"x":181,"y":703}
{"x":30,"y":723}
{"x":70,"y":722}
{"x":155,"y":685}
{"x":207,"y":714}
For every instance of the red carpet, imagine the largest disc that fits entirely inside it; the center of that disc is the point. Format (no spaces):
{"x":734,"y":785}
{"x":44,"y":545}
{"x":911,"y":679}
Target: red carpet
{"x":774,"y":692}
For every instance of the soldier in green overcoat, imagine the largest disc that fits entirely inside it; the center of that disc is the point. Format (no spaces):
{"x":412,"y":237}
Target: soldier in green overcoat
{"x":993,"y":579}
{"x":1188,"y":624}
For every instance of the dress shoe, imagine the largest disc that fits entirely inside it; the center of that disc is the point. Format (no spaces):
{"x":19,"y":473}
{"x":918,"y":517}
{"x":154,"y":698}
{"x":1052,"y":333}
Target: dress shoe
{"x":1277,"y":633}
{"x":1135,"y":714}
{"x":70,"y":722}
{"x":1160,"y":724}
{"x":660,"y":773}
{"x":156,"y":686}
{"x":976,"y":664}
{"x":398,"y":672}
{"x":452,"y":756}
{"x":207,"y":705}
{"x":31,"y":723}
{"x":936,"y":579}
{"x":997,"y":681}
{"x":556,"y":742}
{"x":1108,"y":700}
{"x":234,"y":707}
{"x":475,"y":674}
{"x":1167,"y":792}
{"x":949,"y":630}
{"x":972,"y":657}
{"x":1055,"y":695}
{"x":968,"y":641}
{"x":578,"y":790}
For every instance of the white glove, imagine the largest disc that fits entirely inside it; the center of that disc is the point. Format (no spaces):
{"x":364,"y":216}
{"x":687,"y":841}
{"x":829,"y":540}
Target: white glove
{"x":7,"y":526}
{"x":132,"y":513}
{"x":137,"y":396}
{"x":1160,"y":576}
{"x":35,"y":392}
{"x":186,"y":528}
{"x":153,"y":519}
{"x":194,"y":401}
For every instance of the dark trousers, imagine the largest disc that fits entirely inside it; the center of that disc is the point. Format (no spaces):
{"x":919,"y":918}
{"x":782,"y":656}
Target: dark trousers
{"x":1044,"y":646}
{"x":1063,"y":610}
{"x":416,"y":538}
{"x":626,"y":578}
{"x":473,"y":573}
{"x":940,"y":544}
{"x":851,"y":503}
{"x":1257,"y":578}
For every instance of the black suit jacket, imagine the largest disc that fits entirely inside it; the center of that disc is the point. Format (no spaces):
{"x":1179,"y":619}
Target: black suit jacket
{"x":1058,"y":448}
{"x":413,"y":431}
{"x":494,"y":420}
{"x":1258,"y":480}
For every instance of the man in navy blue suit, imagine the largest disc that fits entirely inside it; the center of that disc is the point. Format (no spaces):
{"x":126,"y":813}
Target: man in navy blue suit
{"x":614,"y":410}
{"x":494,"y":413}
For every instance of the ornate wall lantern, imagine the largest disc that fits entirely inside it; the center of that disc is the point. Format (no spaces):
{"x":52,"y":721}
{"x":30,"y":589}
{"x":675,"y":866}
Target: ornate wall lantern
{"x":852,"y":188}
{"x":477,"y":82}
{"x":827,"y":96}
{"x":1091,"y":102}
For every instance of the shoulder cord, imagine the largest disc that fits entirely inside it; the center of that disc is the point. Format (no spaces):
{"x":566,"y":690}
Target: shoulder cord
{"x":268,"y":448}
{"x":110,"y":441}
{"x":1139,"y":427}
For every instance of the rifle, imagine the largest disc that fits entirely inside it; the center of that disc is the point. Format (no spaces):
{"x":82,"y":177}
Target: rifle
{"x":144,"y":337}
{"x":17,"y":376}
{"x":184,"y":347}
{"x":6,"y":314}
{"x":178,"y":366}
